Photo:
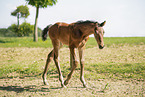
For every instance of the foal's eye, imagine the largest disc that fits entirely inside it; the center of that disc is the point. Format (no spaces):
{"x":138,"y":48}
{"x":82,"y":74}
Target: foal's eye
{"x":103,"y":32}
{"x":95,"y":28}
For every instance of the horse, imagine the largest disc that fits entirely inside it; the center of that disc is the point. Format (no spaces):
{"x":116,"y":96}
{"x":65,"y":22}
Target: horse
{"x":75,"y":36}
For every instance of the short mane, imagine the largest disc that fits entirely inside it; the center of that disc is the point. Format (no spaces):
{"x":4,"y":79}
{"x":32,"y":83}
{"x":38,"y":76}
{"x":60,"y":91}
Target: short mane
{"x":87,"y":21}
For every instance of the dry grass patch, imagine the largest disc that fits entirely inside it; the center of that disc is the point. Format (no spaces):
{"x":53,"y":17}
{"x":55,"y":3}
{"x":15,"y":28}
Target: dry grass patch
{"x":113,"y":71}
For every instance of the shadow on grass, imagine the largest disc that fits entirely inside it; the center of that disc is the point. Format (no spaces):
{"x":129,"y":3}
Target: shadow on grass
{"x":6,"y":41}
{"x":34,"y":88}
{"x":21,"y":76}
{"x":19,"y":89}
{"x":30,"y":88}
{"x":1,"y":41}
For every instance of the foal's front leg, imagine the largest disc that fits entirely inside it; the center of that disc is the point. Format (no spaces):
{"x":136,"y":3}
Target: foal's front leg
{"x":74,"y":65}
{"x":82,"y":67}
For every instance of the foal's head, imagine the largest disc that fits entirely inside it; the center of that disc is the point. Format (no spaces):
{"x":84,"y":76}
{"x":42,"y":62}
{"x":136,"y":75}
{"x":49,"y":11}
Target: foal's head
{"x":93,"y":27}
{"x":99,"y":33}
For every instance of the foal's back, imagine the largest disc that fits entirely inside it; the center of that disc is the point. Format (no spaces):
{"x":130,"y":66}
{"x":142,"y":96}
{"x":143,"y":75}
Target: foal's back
{"x":60,"y":31}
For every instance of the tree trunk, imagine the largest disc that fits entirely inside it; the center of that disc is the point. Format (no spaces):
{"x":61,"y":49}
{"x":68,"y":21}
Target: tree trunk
{"x":18,"y":18}
{"x":35,"y":26}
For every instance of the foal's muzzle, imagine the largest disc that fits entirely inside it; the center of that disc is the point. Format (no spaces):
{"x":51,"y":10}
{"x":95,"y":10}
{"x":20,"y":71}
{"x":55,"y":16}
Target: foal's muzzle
{"x":101,"y":47}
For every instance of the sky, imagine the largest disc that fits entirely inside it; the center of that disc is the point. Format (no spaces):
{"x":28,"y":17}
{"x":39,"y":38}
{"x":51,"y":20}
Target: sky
{"x":124,"y":18}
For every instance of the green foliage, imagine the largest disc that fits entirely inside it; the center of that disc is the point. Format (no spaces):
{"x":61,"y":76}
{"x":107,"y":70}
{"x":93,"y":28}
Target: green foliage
{"x":41,"y":3}
{"x":13,"y":28}
{"x":39,"y":32}
{"x":23,"y":10}
{"x":4,"y":32}
{"x":25,"y":29}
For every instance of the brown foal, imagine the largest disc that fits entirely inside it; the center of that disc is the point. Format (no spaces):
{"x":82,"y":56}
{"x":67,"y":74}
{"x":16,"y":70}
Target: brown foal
{"x":75,"y":35}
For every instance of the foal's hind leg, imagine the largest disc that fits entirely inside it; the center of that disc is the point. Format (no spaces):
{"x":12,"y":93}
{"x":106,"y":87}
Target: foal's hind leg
{"x":57,"y":45}
{"x":49,"y":58}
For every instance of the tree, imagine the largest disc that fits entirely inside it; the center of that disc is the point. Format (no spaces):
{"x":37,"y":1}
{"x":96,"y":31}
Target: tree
{"x":21,"y":12}
{"x":39,"y":4}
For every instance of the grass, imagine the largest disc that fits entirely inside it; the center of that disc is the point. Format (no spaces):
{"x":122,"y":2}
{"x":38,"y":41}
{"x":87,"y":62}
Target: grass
{"x":109,"y":41}
{"x":117,"y":41}
{"x":23,"y":42}
{"x":117,"y":70}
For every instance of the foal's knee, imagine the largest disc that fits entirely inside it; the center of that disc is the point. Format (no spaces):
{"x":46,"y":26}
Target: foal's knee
{"x":55,"y":58}
{"x":50,"y":56}
{"x":75,"y":63}
{"x":82,"y":63}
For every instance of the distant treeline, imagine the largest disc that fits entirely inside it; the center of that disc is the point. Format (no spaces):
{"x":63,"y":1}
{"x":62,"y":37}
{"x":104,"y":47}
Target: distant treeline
{"x":25,"y":29}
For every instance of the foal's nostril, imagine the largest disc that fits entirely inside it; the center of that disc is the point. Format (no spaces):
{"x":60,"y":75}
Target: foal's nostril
{"x":101,"y":47}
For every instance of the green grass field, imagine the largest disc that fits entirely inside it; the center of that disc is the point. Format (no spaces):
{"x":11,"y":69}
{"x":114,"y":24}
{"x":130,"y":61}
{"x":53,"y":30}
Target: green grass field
{"x":109,"y":41}
{"x":117,"y":70}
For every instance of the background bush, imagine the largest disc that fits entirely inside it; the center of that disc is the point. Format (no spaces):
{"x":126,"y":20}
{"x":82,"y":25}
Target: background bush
{"x":25,"y":29}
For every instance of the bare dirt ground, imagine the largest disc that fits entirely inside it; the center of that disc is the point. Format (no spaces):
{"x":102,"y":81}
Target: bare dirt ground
{"x":33,"y":86}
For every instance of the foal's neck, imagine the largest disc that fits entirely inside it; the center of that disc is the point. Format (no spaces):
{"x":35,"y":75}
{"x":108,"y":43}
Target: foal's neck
{"x":87,"y":33}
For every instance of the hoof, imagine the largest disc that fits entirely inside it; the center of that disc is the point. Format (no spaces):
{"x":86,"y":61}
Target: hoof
{"x":65,"y":82}
{"x":63,"y":86}
{"x":85,"y":86}
{"x":44,"y":80}
{"x":45,"y":83}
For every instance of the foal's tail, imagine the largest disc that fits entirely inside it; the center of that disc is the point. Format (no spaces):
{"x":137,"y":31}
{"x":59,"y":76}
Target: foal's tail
{"x":45,"y":32}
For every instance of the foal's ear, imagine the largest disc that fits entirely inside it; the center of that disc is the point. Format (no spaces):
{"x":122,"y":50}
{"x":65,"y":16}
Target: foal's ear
{"x":103,"y":23}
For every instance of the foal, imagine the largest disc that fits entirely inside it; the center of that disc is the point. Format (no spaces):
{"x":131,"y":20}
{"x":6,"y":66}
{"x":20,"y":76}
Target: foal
{"x":75,"y":35}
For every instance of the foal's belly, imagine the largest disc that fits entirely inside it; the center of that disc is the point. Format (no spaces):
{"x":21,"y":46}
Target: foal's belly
{"x":64,"y":35}
{"x":64,"y":39}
